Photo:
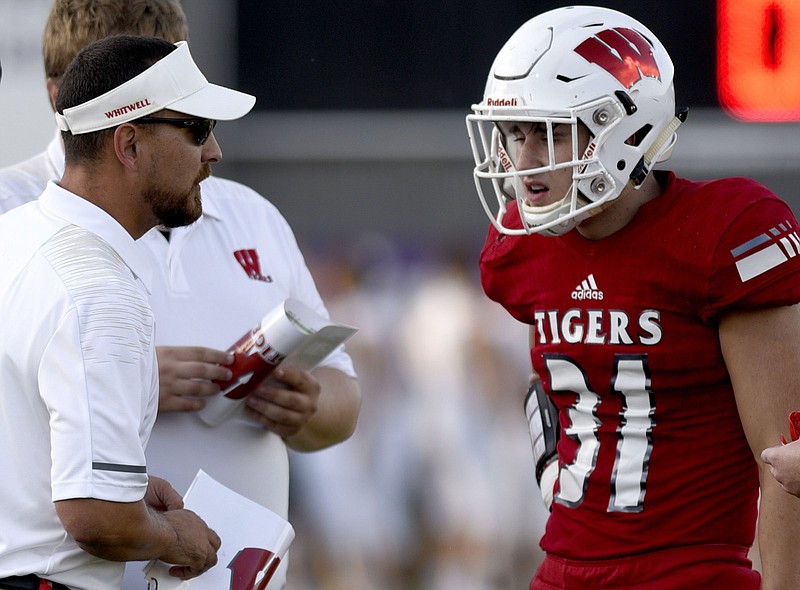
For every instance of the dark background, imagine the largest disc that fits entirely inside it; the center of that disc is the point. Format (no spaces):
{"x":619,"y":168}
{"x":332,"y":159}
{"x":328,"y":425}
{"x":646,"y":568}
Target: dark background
{"x":422,"y":54}
{"x":359,"y":123}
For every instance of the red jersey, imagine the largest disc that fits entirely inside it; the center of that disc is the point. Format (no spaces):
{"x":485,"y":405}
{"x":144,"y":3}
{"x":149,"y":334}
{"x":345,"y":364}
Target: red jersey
{"x":652,"y":451}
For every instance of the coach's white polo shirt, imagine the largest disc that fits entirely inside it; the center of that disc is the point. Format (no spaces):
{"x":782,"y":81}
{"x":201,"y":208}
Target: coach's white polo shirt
{"x":214,"y":281}
{"x":25,"y":181}
{"x":78,"y":380}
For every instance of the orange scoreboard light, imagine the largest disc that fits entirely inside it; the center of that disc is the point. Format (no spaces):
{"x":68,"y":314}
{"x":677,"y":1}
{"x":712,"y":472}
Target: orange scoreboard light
{"x":758,"y":59}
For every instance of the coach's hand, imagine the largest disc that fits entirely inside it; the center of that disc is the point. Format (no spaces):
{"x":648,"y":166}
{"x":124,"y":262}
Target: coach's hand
{"x":186,"y":375}
{"x":285,"y":402}
{"x":161,"y":496}
{"x":195,"y":548}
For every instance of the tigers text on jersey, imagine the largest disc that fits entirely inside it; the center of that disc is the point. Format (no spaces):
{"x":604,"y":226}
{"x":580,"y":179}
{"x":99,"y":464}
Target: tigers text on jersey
{"x":625,"y":339}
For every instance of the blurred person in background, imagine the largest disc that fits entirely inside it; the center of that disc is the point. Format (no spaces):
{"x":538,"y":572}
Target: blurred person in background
{"x":663,"y":313}
{"x":214,"y":280}
{"x":433,"y":488}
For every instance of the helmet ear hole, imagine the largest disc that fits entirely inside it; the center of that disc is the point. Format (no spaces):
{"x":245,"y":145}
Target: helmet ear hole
{"x":637,"y":138}
{"x":621,"y":165}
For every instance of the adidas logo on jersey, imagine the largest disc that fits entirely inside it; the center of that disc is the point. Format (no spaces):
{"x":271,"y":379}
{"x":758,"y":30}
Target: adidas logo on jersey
{"x":587,"y":290}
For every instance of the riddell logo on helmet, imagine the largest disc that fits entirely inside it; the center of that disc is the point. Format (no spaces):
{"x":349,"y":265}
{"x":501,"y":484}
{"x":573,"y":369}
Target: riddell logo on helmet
{"x":501,"y":102}
{"x":587,"y":155}
{"x":623,"y":53}
{"x":504,"y":159}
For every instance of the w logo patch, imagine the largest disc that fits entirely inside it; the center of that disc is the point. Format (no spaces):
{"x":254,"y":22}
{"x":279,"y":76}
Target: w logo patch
{"x":623,"y":53}
{"x":248,"y":259}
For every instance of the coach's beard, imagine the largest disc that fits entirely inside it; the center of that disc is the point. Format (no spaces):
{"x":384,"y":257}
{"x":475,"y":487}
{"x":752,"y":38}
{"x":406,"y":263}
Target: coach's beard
{"x":176,"y":209}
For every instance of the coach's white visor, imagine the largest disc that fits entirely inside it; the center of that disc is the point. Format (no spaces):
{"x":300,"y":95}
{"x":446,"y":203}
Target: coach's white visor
{"x":173,"y":82}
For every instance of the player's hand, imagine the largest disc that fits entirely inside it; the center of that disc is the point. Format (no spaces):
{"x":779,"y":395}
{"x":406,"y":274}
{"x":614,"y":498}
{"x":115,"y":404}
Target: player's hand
{"x":784,"y":463}
{"x":187,"y":372}
{"x":195,"y":549}
{"x":161,"y":496}
{"x":285,"y":402}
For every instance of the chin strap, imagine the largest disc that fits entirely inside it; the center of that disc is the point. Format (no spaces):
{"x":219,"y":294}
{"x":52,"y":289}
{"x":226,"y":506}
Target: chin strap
{"x":663,"y":142}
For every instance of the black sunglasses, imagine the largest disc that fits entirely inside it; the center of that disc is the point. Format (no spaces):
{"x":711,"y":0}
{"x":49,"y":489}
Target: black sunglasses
{"x":199,"y":128}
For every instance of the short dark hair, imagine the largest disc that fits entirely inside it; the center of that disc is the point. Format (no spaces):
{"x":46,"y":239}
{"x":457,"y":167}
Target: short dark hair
{"x":98,"y":68}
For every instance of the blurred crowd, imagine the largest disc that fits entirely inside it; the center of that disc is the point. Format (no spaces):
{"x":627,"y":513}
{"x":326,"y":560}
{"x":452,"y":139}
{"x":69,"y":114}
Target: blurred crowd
{"x":436,"y":488}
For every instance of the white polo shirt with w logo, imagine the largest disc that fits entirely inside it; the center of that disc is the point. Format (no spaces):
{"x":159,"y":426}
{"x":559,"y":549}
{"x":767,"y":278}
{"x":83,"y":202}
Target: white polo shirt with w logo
{"x":212,"y":281}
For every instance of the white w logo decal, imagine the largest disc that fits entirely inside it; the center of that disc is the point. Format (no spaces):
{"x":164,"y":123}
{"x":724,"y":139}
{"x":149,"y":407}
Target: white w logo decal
{"x":623,"y":53}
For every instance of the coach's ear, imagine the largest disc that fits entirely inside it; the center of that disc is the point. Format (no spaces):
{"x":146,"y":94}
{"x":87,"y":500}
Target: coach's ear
{"x":127,"y":140}
{"x":52,"y":91}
